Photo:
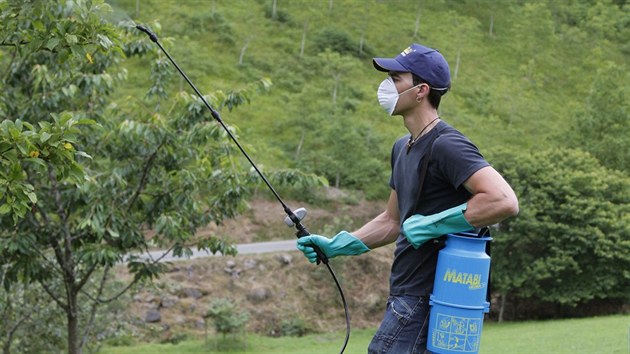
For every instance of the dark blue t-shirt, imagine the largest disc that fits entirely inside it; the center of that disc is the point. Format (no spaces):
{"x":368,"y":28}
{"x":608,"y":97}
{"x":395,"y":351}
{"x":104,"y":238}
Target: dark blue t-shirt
{"x":453,"y":160}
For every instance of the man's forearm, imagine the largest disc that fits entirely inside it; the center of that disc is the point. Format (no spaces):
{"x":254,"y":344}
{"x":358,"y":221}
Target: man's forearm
{"x":380,"y":231}
{"x":493,"y":199}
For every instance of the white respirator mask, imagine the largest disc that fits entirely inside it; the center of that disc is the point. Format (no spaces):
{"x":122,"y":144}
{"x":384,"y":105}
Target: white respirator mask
{"x":388,"y":94}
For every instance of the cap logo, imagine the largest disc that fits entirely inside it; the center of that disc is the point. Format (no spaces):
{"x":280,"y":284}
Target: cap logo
{"x":406,"y":51}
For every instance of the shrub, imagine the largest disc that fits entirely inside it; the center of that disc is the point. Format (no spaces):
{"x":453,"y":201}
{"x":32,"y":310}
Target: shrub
{"x":226,"y":317}
{"x":296,"y":327}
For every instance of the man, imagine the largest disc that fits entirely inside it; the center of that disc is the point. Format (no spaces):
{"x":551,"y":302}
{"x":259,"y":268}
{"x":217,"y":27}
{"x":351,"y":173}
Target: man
{"x":460,"y":192}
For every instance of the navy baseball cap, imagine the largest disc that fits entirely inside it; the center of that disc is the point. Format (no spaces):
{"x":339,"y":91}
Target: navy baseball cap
{"x":425,"y":62}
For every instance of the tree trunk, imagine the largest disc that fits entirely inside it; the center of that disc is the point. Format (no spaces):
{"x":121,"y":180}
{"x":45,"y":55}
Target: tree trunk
{"x":273,"y":9}
{"x":491,"y":25}
{"x":501,"y":307}
{"x":459,"y":52}
{"x":73,"y":333}
{"x":417,"y":29}
{"x":299,"y":147}
{"x":335,"y":88}
{"x":303,"y":39}
{"x":240,"y":58}
{"x":72,"y":315}
{"x":6,"y":348}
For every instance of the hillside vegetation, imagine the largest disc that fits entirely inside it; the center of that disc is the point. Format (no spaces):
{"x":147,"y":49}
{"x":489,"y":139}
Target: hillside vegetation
{"x":521,"y":71}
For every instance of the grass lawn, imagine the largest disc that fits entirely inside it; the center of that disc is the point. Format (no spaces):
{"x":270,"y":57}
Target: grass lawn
{"x":607,"y":335}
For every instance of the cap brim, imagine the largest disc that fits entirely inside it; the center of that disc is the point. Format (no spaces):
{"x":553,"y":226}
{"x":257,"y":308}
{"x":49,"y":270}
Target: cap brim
{"x":388,"y":64}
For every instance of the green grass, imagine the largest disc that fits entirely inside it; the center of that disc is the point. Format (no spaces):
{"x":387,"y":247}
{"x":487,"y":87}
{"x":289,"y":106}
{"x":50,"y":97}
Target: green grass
{"x":608,"y":335}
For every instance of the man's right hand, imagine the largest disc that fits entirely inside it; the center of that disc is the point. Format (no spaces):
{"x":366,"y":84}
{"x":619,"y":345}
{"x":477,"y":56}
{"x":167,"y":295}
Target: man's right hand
{"x":342,"y":244}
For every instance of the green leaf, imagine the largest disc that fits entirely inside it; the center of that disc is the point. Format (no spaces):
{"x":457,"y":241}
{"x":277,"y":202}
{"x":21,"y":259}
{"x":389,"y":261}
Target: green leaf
{"x":44,"y":137}
{"x":38,"y":25}
{"x":65,"y":117}
{"x":52,"y":43}
{"x":104,"y":41}
{"x":5,"y":208}
{"x":32,"y":196}
{"x":113,"y":233}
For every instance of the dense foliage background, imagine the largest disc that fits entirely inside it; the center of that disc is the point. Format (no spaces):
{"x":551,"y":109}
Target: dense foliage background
{"x":540,"y":87}
{"x":99,"y":140}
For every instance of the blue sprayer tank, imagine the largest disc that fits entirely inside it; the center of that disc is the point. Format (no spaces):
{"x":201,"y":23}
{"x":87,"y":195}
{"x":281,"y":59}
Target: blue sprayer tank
{"x":459,"y":298}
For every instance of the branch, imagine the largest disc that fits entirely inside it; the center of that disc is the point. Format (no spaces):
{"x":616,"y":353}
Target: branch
{"x":135,"y":280}
{"x":143,"y":179}
{"x":87,"y":275}
{"x":54,"y":244}
{"x":95,"y":305}
{"x":100,"y":301}
{"x":56,"y":299}
{"x":48,"y":262}
{"x":63,"y":258}
{"x":11,"y":44}
{"x":6,"y":73}
{"x":11,"y":332}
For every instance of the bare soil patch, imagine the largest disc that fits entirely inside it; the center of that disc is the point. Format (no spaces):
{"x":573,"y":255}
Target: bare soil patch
{"x":276,"y":288}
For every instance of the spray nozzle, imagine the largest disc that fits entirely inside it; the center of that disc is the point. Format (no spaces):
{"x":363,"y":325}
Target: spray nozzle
{"x":151,"y":35}
{"x":295,"y":217}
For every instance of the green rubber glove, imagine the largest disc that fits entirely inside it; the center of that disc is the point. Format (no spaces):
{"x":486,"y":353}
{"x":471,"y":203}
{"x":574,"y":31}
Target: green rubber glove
{"x":342,"y":244}
{"x":418,"y":229}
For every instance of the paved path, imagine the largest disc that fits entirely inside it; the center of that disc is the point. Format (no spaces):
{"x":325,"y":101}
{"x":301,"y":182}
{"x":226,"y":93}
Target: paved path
{"x":247,"y":248}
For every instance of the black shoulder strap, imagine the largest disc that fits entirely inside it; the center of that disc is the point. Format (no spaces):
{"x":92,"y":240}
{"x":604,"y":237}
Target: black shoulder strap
{"x":425,"y":166}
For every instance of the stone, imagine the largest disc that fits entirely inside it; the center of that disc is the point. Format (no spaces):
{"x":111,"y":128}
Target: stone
{"x":233,"y":272}
{"x":285,"y":258}
{"x":258,"y":294}
{"x":168,"y":301}
{"x":200,"y":324}
{"x":249,"y":264}
{"x":152,"y":316}
{"x":192,"y":292}
{"x":189,"y":272}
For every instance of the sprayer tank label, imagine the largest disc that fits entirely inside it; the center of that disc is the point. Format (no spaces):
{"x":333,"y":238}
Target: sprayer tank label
{"x":457,"y":334}
{"x":473,"y":280}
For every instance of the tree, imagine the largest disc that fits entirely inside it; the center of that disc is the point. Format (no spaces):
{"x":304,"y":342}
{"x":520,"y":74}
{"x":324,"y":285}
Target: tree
{"x":602,"y":127}
{"x":336,"y":66}
{"x":83,"y":178}
{"x":571,"y":242}
{"x":465,"y":29}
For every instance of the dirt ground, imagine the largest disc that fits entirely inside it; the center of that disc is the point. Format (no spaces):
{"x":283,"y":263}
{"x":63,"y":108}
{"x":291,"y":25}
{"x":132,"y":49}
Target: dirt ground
{"x":280,"y":291}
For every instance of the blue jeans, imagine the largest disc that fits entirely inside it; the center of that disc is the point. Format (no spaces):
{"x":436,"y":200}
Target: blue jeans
{"x":404,"y":327}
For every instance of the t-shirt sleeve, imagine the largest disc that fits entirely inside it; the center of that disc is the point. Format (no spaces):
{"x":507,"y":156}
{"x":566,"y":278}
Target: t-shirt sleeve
{"x":457,"y":158}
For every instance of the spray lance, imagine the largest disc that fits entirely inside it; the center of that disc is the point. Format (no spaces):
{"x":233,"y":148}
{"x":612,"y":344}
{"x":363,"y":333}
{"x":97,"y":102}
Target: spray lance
{"x":293,"y":218}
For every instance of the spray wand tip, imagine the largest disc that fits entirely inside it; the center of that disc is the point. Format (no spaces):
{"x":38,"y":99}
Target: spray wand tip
{"x":151,"y":35}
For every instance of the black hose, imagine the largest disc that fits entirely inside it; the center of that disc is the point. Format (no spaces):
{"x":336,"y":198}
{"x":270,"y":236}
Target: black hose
{"x":301,"y":230}
{"x":345,"y":308}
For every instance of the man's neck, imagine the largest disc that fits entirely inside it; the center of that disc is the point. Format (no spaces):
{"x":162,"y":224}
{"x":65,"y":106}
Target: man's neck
{"x":418,"y":122}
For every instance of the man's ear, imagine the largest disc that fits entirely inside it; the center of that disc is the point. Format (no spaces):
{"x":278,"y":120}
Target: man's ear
{"x":423,"y":92}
